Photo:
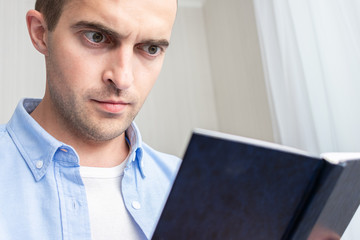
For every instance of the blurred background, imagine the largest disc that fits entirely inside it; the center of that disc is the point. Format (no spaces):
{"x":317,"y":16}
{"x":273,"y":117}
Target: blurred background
{"x":276,"y":70}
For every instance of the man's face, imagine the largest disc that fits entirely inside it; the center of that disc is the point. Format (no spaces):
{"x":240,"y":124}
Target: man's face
{"x":103,"y":59}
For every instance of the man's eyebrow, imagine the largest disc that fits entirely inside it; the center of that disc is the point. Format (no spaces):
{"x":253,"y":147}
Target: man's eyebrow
{"x":105,"y":30}
{"x":162,"y":42}
{"x":97,"y":27}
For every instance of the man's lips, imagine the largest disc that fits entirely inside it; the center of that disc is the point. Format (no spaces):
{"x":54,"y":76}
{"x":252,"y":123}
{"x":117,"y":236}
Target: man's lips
{"x":112,"y":106}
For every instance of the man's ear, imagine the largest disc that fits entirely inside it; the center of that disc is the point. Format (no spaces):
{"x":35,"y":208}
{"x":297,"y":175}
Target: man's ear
{"x":37,"y":30}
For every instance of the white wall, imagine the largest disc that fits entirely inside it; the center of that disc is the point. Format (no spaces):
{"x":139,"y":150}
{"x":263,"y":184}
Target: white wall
{"x":22,"y":72}
{"x":237,"y":71}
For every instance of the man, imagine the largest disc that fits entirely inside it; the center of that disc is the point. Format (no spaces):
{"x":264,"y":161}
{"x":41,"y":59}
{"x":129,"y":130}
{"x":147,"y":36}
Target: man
{"x":73,"y":165}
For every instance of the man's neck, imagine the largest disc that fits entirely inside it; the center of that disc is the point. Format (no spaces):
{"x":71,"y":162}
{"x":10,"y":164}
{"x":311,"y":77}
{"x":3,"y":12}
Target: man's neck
{"x":104,"y":154}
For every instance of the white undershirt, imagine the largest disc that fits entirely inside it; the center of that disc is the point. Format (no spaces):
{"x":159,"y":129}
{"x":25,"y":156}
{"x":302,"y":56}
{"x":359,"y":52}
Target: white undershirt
{"x":109,"y":218}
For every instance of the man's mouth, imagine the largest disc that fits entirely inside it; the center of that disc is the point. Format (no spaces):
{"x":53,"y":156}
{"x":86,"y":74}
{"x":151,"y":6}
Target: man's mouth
{"x":111,"y":106}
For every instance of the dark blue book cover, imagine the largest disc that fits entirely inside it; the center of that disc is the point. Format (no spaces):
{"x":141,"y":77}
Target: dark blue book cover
{"x":229,"y":189}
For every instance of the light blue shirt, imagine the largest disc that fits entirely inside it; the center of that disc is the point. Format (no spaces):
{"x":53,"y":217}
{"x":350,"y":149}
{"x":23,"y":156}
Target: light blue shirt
{"x":42,"y":195}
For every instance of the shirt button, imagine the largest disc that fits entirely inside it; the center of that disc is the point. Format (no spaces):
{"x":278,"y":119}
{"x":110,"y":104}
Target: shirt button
{"x":136,"y":205}
{"x":39,"y":164}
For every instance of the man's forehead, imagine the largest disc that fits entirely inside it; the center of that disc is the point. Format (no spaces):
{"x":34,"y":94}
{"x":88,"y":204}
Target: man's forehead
{"x":115,"y":10}
{"x":169,"y":5}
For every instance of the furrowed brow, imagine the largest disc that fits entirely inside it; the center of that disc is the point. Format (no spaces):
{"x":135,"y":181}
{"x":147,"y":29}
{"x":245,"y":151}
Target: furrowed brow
{"x":97,"y":27}
{"x":105,"y":30}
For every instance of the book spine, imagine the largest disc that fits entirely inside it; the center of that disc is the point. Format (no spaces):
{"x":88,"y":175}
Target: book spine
{"x":332,"y":203}
{"x":341,"y":204}
{"x":315,"y":202}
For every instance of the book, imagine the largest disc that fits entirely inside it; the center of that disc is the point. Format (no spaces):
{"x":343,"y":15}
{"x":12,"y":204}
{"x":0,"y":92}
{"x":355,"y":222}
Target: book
{"x":230,"y":187}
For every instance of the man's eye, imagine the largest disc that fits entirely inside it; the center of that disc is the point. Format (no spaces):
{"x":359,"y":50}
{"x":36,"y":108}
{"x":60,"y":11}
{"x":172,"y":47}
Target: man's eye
{"x":152,"y":50}
{"x":95,"y":37}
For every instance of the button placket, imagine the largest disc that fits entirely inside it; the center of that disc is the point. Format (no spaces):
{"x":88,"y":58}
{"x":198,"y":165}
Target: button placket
{"x":72,"y":195}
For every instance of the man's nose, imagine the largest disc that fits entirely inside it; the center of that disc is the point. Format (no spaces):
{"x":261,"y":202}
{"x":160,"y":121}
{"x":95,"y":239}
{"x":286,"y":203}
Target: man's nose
{"x":120,"y":68}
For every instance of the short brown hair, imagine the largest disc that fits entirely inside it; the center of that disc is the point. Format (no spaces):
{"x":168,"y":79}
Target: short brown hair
{"x":51,"y":9}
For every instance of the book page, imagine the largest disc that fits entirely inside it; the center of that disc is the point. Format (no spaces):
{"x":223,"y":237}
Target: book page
{"x":339,"y":157}
{"x":251,"y":141}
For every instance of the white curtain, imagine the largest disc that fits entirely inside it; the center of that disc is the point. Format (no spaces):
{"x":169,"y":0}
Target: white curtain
{"x":311,"y":56}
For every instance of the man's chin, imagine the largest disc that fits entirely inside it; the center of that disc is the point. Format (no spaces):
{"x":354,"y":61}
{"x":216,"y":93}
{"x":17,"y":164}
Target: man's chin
{"x":100,"y":132}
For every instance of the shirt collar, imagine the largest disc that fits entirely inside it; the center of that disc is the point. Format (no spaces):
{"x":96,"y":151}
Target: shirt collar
{"x":35,"y":145}
{"x":136,"y":151}
{"x":38,"y":147}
